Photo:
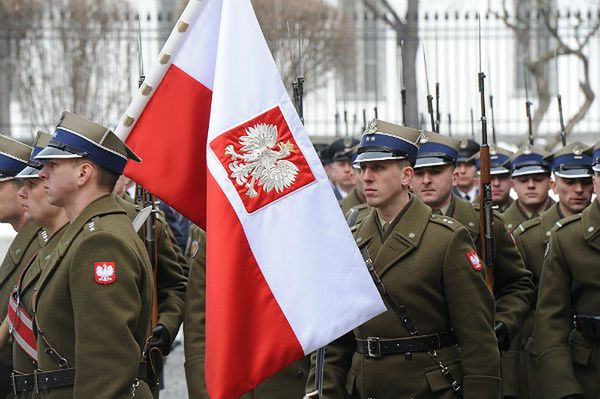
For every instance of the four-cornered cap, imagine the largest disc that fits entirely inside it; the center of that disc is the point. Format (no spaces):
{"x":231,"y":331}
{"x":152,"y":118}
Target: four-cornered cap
{"x":342,"y":149}
{"x":34,"y":166}
{"x":572,"y":161}
{"x":13,"y":157}
{"x":436,"y":149}
{"x":529,"y":160}
{"x":386,"y":141}
{"x":595,"y":152}
{"x":467,"y":149}
{"x":77,"y":137}
{"x":499,"y":157}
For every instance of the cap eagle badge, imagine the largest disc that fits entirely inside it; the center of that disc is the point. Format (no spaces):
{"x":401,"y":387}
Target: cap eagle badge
{"x":262,"y":161}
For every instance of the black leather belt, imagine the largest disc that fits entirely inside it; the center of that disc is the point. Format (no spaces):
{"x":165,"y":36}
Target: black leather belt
{"x":589,"y":326}
{"x":47,"y":380}
{"x":377,"y":347}
{"x":42,"y":380}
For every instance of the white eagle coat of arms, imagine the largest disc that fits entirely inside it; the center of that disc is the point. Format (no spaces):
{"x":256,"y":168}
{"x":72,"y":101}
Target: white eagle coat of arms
{"x":105,"y":273}
{"x":259,"y":163}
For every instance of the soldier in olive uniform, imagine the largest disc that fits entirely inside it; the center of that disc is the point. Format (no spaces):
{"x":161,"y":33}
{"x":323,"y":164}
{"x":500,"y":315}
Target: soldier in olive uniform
{"x":289,"y":382}
{"x":13,"y":158}
{"x":573,"y":176}
{"x":428,"y":264}
{"x":94,"y":297}
{"x":340,"y":153}
{"x":53,"y":221}
{"x":531,"y":181}
{"x":466,"y":183}
{"x":569,"y":358}
{"x":500,"y":177}
{"x":512,"y":286}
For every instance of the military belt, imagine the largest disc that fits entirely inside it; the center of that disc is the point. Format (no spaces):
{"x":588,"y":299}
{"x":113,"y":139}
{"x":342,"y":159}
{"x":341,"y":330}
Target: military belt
{"x":43,"y":381}
{"x":376,"y":347}
{"x":589,"y":325}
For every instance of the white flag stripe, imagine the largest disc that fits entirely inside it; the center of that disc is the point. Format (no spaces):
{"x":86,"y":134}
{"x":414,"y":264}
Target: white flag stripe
{"x":300,"y":242}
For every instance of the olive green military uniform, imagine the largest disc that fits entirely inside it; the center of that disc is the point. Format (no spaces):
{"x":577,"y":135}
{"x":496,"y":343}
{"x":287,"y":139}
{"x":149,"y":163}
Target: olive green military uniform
{"x":98,"y":328}
{"x":512,"y":281}
{"x":171,"y":281}
{"x":351,"y":200}
{"x":24,"y":246}
{"x":289,"y":382}
{"x":363,"y":211}
{"x":504,"y":207}
{"x":513,"y":216}
{"x":423,"y":262}
{"x":22,"y":363}
{"x":568,"y":362}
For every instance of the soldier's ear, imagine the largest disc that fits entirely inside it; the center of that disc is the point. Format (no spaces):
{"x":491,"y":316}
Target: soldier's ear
{"x":407,"y":175}
{"x":84,"y":171}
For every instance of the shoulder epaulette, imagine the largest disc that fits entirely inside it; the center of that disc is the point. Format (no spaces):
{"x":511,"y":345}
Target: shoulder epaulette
{"x":91,"y":225}
{"x":526,"y":225}
{"x":565,"y":221}
{"x":446,"y":221}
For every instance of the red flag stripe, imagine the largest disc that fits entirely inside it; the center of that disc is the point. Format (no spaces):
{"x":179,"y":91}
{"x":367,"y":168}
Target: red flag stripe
{"x":22,"y":328}
{"x":174,"y":121}
{"x":248,"y":338}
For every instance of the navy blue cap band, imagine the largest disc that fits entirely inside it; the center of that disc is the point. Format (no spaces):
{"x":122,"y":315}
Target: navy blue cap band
{"x":571,"y":159}
{"x":11,"y":166}
{"x":384,"y":143}
{"x":72,"y":142}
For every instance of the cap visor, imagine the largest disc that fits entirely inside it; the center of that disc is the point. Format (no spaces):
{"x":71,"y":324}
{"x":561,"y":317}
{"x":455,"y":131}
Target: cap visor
{"x":54,"y":153}
{"x":499,"y":171}
{"x":28,"y":173}
{"x":575,"y":173}
{"x":430,"y":161}
{"x":596,"y":168}
{"x":530,"y":170}
{"x":376,"y":156}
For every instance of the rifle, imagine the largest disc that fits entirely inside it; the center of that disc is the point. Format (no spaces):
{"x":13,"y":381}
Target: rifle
{"x":563,"y":133}
{"x":429,"y":96}
{"x":492,"y":108}
{"x":153,"y":357}
{"x":402,"y":88}
{"x":472,"y":125}
{"x":364,"y":126}
{"x":437,"y":90}
{"x":449,"y":124}
{"x":485,"y":198}
{"x":528,"y":105}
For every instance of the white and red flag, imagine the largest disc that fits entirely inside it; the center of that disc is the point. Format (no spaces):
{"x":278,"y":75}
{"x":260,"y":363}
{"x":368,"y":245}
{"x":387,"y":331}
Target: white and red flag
{"x":284,"y":276}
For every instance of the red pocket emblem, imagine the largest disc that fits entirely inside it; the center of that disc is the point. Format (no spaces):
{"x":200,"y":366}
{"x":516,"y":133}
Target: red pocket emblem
{"x":474,"y":260}
{"x":105,"y":272}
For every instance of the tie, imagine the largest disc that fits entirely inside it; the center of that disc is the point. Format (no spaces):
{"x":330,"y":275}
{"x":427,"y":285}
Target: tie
{"x":467,"y":197}
{"x":385,"y":226}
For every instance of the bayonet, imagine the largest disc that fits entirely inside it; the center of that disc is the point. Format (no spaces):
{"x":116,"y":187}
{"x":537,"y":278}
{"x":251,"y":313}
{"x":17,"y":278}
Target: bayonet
{"x":429,"y":96}
{"x":449,"y":124}
{"x":563,"y":133}
{"x":527,"y":104}
{"x":437,"y":90}
{"x":472,"y":125}
{"x":402,"y":87}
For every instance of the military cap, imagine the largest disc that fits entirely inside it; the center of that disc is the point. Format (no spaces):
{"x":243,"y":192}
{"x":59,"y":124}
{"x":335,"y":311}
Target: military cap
{"x":529,"y":160}
{"x":572,"y":161}
{"x":594,"y":152}
{"x":386,"y":141}
{"x":467,"y":149}
{"x":13,"y":157}
{"x":499,"y":160}
{"x":436,"y":149}
{"x":77,"y":137}
{"x":34,"y":166}
{"x":342,"y":149}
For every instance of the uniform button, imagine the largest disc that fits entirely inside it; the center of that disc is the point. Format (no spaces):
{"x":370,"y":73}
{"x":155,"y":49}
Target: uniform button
{"x":408,"y":356}
{"x":548,"y":234}
{"x":590,"y":229}
{"x":18,"y":251}
{"x":471,"y":224}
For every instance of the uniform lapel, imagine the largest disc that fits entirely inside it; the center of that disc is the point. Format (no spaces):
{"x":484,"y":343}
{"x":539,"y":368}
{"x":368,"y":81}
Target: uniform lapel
{"x":406,"y":236}
{"x":368,"y":236}
{"x":464,"y":212}
{"x":591,"y":224}
{"x":43,"y":256}
{"x":548,"y":220}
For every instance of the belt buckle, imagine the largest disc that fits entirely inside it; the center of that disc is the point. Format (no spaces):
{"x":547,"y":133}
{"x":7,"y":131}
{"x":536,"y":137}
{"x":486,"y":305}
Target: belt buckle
{"x":373,"y":347}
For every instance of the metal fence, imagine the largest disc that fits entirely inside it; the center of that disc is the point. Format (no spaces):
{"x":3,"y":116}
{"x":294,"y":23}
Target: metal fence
{"x":450,"y":41}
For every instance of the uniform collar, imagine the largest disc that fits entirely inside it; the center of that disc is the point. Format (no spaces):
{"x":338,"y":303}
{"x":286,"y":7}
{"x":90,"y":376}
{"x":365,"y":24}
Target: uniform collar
{"x":591,"y":222}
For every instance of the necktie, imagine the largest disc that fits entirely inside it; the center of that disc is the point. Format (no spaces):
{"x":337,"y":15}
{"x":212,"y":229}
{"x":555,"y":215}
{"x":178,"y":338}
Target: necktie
{"x":385,"y":226}
{"x":467,"y":197}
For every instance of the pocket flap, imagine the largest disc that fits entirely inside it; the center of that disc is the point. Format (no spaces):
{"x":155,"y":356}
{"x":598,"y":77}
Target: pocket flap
{"x":437,"y":381}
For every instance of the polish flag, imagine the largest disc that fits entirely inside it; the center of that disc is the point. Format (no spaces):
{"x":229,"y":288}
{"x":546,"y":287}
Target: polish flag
{"x":284,"y":276}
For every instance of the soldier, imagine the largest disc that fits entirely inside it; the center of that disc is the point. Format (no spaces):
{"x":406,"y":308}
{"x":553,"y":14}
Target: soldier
{"x":53,"y":221}
{"x":568,"y":357}
{"x":356,"y":197}
{"x":500,"y":174}
{"x":340,"y":153}
{"x":289,"y":382}
{"x":512,"y":282}
{"x":573,"y":185}
{"x":428,"y":265}
{"x":13,"y":158}
{"x":531,"y":181}
{"x":94,"y":297}
{"x":466,"y":183}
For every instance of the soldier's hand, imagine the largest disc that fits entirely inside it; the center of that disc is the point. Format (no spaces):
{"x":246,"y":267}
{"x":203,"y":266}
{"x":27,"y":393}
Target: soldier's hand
{"x":502,"y":336}
{"x":161,"y":339}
